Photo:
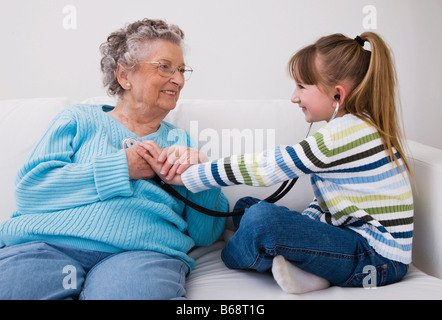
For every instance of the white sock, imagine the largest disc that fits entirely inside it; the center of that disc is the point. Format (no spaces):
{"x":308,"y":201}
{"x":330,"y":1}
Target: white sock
{"x":294,"y":280}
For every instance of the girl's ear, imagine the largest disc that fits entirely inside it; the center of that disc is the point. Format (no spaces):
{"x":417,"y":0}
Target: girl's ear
{"x":340,"y":93}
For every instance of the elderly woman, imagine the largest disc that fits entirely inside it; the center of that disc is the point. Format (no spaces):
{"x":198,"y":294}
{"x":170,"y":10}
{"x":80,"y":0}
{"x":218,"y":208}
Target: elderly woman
{"x":90,"y":223}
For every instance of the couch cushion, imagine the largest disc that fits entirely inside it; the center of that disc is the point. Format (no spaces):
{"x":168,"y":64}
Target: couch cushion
{"x":22,"y":123}
{"x":211,"y":279}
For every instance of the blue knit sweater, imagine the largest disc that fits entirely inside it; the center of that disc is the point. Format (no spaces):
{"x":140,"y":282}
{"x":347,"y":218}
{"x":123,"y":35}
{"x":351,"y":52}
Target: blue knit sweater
{"x":74,"y":189}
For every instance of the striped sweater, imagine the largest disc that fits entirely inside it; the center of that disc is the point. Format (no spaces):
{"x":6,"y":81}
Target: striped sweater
{"x":74,"y":189}
{"x":356,"y":186}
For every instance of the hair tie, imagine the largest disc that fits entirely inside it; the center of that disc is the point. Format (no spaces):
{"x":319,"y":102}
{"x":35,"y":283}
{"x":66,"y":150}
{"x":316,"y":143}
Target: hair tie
{"x":360,"y":41}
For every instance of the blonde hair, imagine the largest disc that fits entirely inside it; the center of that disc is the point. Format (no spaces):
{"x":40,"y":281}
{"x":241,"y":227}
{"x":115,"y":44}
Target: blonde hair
{"x":371,"y":74}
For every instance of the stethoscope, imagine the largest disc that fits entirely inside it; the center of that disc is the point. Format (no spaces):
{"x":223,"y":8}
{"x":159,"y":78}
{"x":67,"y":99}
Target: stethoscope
{"x":285,"y":187}
{"x":277,"y":195}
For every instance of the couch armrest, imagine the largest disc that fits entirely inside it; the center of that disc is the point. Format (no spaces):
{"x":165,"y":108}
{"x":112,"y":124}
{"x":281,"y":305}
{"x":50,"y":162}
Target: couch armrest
{"x":426,"y":163}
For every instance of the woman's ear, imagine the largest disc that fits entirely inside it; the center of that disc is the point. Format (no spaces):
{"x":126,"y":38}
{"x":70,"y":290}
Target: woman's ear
{"x":122,"y":77}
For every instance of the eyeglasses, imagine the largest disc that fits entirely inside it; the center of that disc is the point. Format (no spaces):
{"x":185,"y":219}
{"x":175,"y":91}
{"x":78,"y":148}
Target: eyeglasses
{"x":167,"y":69}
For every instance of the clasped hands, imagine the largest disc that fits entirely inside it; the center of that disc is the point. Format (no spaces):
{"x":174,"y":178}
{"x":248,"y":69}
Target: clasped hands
{"x":147,"y":159}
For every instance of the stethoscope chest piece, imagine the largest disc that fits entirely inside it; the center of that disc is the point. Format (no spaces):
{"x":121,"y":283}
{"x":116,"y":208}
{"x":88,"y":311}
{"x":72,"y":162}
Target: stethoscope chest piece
{"x":128,"y":142}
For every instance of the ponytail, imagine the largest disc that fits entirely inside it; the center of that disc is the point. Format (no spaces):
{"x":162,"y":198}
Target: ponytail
{"x":374,"y":99}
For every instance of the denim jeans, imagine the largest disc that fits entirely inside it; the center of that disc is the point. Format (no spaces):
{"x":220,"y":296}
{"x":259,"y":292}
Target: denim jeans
{"x":40,"y":270}
{"x":340,"y":255}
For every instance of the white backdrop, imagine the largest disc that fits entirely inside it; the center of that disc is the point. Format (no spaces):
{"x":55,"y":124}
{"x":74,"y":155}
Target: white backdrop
{"x":239,"y":49}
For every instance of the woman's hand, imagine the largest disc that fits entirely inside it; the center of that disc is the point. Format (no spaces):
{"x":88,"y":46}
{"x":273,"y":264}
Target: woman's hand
{"x":171,"y":162}
{"x":138,"y":167}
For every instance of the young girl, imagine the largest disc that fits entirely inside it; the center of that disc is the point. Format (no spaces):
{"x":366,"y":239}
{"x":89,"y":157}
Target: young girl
{"x":359,"y":229}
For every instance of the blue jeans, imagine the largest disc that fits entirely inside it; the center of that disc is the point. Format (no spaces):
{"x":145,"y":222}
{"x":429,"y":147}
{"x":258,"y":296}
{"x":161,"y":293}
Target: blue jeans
{"x":40,"y":270}
{"x":340,"y":255}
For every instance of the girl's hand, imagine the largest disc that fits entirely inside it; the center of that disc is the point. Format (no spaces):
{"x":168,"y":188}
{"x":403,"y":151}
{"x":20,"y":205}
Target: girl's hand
{"x":177,"y":159}
{"x":150,"y":151}
{"x":171,"y":162}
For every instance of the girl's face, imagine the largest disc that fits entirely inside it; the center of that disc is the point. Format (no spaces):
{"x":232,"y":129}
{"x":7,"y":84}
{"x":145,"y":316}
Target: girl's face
{"x":316,"y":105}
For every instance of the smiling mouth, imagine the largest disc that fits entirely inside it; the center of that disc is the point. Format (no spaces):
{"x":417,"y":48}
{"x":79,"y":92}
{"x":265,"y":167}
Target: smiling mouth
{"x":170,"y":92}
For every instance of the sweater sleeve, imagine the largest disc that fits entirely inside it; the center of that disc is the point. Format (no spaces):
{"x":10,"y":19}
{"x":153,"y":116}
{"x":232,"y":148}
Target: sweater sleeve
{"x":263,"y":169}
{"x":51,"y":180}
{"x":312,"y":155}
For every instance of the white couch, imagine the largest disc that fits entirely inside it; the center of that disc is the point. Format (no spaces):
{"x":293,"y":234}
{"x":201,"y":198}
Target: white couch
{"x":244,"y":125}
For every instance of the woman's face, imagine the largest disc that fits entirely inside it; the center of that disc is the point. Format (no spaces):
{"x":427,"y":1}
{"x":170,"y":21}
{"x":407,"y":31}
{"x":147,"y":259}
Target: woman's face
{"x":147,"y":86}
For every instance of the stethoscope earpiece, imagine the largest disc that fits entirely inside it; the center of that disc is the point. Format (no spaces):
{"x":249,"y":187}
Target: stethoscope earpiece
{"x":336,"y":111}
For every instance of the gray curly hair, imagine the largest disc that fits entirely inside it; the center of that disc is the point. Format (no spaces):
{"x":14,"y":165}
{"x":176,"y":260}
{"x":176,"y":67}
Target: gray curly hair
{"x":122,"y":48}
